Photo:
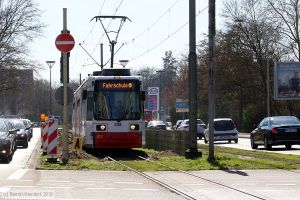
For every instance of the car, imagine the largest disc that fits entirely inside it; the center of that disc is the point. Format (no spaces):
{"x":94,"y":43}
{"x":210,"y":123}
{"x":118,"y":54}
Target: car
{"x":169,"y":126}
{"x":7,"y":142}
{"x":276,"y":130}
{"x":178,"y":122}
{"x":28,"y":127}
{"x":156,"y":125}
{"x":224,"y":130}
{"x":184,"y":126}
{"x":22,"y":137}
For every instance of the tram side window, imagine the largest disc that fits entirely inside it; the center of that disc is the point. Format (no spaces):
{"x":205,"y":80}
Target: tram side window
{"x":90,"y":105}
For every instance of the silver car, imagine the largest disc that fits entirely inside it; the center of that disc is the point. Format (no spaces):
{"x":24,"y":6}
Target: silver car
{"x":224,"y":130}
{"x":184,"y":126}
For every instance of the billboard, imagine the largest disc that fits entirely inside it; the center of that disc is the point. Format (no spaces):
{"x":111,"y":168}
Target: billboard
{"x":287,"y":81}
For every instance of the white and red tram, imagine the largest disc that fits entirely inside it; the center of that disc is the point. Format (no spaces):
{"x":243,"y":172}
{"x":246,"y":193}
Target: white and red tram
{"x":108,"y":110}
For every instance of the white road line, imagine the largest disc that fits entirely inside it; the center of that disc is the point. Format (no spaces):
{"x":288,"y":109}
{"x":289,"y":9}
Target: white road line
{"x":18,"y":174}
{"x":130,"y":183}
{"x":56,"y":181}
{"x":24,"y":180}
{"x":21,"y":186}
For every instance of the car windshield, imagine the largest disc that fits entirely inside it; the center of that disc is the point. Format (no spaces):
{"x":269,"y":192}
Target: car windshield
{"x":285,"y":121}
{"x":2,"y":126}
{"x":199,"y":121}
{"x":158,"y":123}
{"x":18,"y":125}
{"x":223,"y":125}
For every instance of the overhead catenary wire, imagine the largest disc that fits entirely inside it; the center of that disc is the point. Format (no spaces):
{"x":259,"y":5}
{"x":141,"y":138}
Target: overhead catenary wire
{"x":165,"y":39}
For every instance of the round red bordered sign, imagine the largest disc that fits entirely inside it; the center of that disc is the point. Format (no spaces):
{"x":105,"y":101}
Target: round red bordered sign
{"x":64,"y":42}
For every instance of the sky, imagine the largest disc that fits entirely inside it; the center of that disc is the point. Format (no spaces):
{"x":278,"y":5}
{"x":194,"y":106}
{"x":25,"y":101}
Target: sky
{"x":155,"y":26}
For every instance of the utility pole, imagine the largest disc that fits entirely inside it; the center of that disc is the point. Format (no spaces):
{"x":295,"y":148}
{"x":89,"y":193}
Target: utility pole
{"x":268,"y":80}
{"x":159,"y":95}
{"x":192,"y":152}
{"x":65,"y":142}
{"x":211,"y":96}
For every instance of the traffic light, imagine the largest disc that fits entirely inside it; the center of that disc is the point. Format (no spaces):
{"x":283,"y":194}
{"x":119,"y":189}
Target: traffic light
{"x":62,"y":68}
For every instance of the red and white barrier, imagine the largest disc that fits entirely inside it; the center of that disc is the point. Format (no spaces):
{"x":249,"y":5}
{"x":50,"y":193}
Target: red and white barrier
{"x":52,"y":139}
{"x":44,"y":136}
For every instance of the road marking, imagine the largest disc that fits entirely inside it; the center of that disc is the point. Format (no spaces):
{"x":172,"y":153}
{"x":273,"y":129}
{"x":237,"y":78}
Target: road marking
{"x":56,"y":181}
{"x":24,"y":180}
{"x":280,"y":184}
{"x":22,"y":186}
{"x":132,"y":183}
{"x":18,"y":174}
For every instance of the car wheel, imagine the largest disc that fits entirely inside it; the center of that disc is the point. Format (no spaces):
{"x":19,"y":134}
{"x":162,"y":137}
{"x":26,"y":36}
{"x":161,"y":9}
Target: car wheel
{"x":288,"y":146}
{"x":253,"y":145}
{"x":205,"y":140}
{"x":236,"y":141}
{"x":267,"y":146}
{"x":229,"y":141}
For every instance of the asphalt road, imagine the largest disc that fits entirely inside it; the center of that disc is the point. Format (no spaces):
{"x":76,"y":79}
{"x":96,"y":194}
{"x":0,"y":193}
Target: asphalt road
{"x":244,"y":143}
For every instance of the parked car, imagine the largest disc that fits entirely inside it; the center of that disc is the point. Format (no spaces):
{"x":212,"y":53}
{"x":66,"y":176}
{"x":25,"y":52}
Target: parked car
{"x":185,"y":124}
{"x":7,"y":142}
{"x":169,"y":126}
{"x":276,"y":130}
{"x":178,"y":122}
{"x":28,"y":128}
{"x":224,"y":130}
{"x":156,"y":125}
{"x":22,"y":137}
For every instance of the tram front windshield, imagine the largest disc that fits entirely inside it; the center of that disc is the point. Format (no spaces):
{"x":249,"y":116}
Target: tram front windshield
{"x":117,"y":100}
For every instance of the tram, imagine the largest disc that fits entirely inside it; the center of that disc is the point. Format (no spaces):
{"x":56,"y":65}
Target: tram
{"x":108,"y":110}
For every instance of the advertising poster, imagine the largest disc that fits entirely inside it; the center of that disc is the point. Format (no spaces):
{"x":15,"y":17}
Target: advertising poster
{"x":287,"y":81}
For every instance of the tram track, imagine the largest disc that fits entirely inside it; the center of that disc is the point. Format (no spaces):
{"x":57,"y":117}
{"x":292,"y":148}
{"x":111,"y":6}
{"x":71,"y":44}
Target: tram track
{"x":176,"y":190}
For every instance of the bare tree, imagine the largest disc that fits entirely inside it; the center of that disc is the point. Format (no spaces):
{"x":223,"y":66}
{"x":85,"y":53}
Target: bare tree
{"x":286,"y":13}
{"x":19,"y":25}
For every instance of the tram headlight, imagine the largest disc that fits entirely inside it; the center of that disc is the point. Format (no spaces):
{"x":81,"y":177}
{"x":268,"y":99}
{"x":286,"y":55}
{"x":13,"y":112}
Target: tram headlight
{"x":101,"y":127}
{"x":134,"y":127}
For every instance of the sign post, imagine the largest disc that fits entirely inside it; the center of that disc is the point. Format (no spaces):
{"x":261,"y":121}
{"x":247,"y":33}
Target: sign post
{"x":65,"y":43}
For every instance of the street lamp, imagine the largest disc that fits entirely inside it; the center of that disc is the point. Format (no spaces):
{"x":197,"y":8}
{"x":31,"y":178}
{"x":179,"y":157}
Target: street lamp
{"x":50,"y":64}
{"x":159,"y":98}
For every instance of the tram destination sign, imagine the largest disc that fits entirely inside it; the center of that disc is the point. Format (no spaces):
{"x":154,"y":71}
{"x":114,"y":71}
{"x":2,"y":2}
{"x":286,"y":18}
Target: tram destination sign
{"x":117,"y":85}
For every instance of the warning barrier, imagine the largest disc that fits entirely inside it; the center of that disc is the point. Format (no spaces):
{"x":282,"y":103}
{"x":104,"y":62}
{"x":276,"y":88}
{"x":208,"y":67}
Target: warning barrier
{"x":52,"y":140}
{"x":44,"y":137}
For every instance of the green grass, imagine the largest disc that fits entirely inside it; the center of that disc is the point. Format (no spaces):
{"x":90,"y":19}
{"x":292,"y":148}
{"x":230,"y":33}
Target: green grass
{"x":225,"y":159}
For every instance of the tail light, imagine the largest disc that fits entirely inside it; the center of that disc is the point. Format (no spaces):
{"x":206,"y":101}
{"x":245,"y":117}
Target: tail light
{"x":274,"y":130}
{"x":203,"y":126}
{"x":185,"y":126}
{"x":234,"y":125}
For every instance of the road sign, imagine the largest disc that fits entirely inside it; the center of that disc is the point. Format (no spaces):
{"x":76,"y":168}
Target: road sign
{"x":182,"y":105}
{"x":64,"y":42}
{"x":59,"y":97}
{"x":153,"y":90}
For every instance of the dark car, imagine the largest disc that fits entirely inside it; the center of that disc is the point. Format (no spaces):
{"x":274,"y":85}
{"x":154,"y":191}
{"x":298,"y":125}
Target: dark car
{"x":7,"y":142}
{"x":277,"y":130}
{"x":156,"y":125}
{"x":22,"y":135}
{"x":28,"y":128}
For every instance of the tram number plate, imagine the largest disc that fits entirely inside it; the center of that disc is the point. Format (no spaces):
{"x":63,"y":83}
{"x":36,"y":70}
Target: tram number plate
{"x":118,"y":124}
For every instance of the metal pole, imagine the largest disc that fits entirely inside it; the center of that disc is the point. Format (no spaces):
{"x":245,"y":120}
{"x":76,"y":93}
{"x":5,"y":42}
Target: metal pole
{"x":112,"y":53}
{"x":65,"y":149}
{"x":50,"y":94}
{"x":192,"y":152}
{"x":211,"y":103}
{"x":101,"y":54}
{"x":268,"y":81}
